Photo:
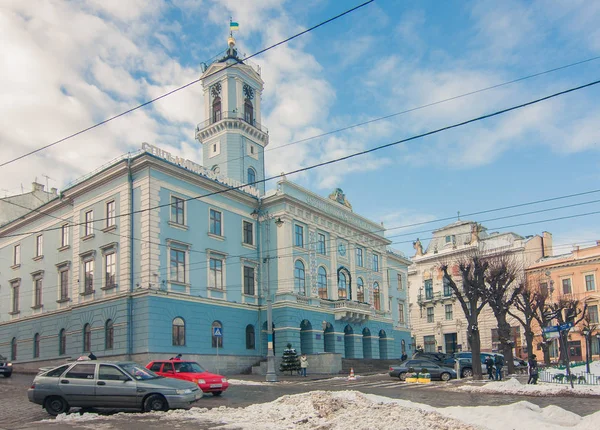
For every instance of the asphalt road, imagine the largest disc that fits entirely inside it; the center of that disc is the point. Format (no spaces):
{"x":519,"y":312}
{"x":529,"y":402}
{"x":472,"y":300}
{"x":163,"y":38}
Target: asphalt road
{"x":16,"y":412}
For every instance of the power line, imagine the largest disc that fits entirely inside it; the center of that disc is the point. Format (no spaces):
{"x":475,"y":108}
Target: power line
{"x":183,"y":86}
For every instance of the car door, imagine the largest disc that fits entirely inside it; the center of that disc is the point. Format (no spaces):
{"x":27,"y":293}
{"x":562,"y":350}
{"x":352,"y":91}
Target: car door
{"x":115,"y":389}
{"x":434,"y":370}
{"x":168,"y":370}
{"x":78,"y":385}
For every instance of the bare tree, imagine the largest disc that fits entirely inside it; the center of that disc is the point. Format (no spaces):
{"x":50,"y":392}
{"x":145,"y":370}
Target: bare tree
{"x":543,"y":314}
{"x":472,"y":296}
{"x":502,"y":290}
{"x":588,"y":329}
{"x":567,"y":309}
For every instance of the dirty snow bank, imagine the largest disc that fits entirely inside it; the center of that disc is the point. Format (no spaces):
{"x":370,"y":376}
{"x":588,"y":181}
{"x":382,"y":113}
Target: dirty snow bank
{"x":513,"y":386}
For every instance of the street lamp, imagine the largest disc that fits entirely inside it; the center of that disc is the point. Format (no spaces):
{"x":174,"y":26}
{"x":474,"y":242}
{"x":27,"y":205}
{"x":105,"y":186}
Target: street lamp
{"x":261,"y":216}
{"x":587,"y":336}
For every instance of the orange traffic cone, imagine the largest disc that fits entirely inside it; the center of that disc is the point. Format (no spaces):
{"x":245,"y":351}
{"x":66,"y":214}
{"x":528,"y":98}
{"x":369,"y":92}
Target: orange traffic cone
{"x":351,"y":377}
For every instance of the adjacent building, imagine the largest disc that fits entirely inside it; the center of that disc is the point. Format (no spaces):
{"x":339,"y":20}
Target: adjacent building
{"x":156,"y":255}
{"x":438,"y":321}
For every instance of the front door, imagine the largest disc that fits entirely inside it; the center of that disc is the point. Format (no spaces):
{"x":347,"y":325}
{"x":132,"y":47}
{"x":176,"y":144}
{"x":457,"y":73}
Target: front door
{"x":575,"y":350}
{"x":450,"y":341}
{"x":115,"y":389}
{"x":78,"y":385}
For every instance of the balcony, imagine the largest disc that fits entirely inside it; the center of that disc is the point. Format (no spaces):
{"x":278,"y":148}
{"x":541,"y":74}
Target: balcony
{"x":352,"y":312}
{"x":232,"y":120}
{"x":437,"y":297}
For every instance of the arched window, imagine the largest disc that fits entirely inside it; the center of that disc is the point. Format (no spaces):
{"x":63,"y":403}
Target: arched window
{"x":87,"y":338}
{"x":62,"y":342}
{"x":251,"y":175}
{"x":36,"y":345}
{"x":299,"y":278}
{"x":13,"y":349}
{"x":178,"y":332}
{"x":109,"y":335}
{"x":248,"y":112}
{"x":342,"y":286}
{"x":322,"y":282}
{"x":250,"y":339}
{"x":217,"y":340}
{"x":216,"y":109}
{"x":376,"y":296}
{"x":403,"y":343}
{"x":360,"y":290}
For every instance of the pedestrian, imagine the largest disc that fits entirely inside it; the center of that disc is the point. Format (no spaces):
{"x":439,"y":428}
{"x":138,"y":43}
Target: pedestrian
{"x":92,"y":356}
{"x":303,"y":364}
{"x":489,"y":366}
{"x":403,"y":357}
{"x":498,"y":362}
{"x":532,"y":370}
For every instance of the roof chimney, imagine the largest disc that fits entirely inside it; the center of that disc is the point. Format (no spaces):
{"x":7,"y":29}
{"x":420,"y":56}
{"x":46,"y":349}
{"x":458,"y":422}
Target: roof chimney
{"x":37,"y":187}
{"x":547,"y":244}
{"x":54,"y":191}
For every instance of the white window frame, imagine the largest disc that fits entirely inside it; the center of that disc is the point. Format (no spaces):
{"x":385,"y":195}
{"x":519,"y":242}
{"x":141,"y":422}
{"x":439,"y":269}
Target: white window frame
{"x":401,"y":319}
{"x":37,"y":302}
{"x":85,"y":262}
{"x":244,"y":222}
{"x":39,"y":245}
{"x":63,"y":269}
{"x":221,"y":234}
{"x":255,"y":285}
{"x":446,"y":312}
{"x":585,"y":275}
{"x":17,"y":255}
{"x":111,"y":212}
{"x":297,"y":225}
{"x":432,"y":315}
{"x":185,"y":266}
{"x":15,"y":299}
{"x":375,"y":262}
{"x":173,"y":220}
{"x":319,"y":236}
{"x":562,"y":287}
{"x":360,"y":257}
{"x":88,"y":226}
{"x":105,"y":285}
{"x":212,"y":283}
{"x":64,"y":236}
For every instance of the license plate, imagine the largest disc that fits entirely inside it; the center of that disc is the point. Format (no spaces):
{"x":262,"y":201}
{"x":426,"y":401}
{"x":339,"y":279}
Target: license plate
{"x":216,"y":385}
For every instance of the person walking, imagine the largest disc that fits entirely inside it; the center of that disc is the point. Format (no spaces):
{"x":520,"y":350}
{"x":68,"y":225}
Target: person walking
{"x":403,"y":357}
{"x":498,"y":362}
{"x":532,"y":370}
{"x":489,"y":367}
{"x":303,"y":364}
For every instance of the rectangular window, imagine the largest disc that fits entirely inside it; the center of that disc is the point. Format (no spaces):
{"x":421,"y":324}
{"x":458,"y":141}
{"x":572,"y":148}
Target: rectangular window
{"x":566,"y":284}
{"x":249,"y":280}
{"x":359,"y":257}
{"x":248,"y":233}
{"x":15,"y":296}
{"x":321,"y":249}
{"x":593,"y":314}
{"x":110,"y":264}
{"x":428,"y":289}
{"x":590,"y":285}
{"x":110,"y":213}
{"x":375,"y":263}
{"x":430,"y":314}
{"x":299,"y":236}
{"x":39,"y":245}
{"x":400,"y":286}
{"x":216,"y":274}
{"x":401,"y":313}
{"x":177,"y":266}
{"x":89,"y":223}
{"x":177,"y":210}
{"x":64,"y":285}
{"x":37,"y":293}
{"x":429,"y":343}
{"x":447,"y":288}
{"x":88,"y":269}
{"x":215,"y":223}
{"x":64,"y":235}
{"x":17,"y":255}
{"x":448,"y":309}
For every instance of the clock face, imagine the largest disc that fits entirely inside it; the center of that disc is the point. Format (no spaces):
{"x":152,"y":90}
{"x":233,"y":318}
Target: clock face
{"x":342,"y":249}
{"x":248,"y":92}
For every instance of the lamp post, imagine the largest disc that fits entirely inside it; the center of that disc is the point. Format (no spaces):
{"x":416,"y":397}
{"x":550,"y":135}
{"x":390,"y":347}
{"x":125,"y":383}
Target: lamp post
{"x":261,"y":216}
{"x":586,"y":335}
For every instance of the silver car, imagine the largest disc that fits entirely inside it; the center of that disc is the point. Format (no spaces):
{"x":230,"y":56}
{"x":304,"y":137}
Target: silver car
{"x":99,"y":384}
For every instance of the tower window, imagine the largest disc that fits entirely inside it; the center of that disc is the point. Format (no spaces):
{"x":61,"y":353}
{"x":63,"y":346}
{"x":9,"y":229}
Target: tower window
{"x":216,"y":109}
{"x":248,"y":112}
{"x":251,"y":175}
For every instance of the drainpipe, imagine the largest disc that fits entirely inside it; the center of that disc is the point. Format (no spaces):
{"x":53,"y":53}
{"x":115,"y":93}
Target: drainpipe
{"x":129,"y":297}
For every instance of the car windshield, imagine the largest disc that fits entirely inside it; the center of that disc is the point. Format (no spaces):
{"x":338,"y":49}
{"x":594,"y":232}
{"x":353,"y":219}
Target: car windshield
{"x":139,"y":373}
{"x":189,"y":367}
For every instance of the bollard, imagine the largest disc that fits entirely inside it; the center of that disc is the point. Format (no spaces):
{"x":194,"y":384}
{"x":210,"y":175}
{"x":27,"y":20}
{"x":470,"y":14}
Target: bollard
{"x":457,"y":367}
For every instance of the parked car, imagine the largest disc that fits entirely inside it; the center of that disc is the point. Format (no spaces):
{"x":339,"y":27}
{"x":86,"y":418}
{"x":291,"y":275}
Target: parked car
{"x":446,"y":360}
{"x":100,"y":384}
{"x":190,"y":371}
{"x":435,"y":370}
{"x":6,"y":367}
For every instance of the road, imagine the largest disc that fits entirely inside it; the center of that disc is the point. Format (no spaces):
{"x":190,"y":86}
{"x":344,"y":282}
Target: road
{"x":17,"y":413}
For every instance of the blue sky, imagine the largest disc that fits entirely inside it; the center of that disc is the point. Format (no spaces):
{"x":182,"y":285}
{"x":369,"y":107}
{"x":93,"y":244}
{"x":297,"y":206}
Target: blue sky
{"x":68,"y":64}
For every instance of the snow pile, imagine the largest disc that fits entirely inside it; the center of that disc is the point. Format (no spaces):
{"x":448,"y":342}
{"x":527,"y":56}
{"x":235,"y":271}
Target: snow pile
{"x":513,"y":386}
{"x":244,"y":382}
{"x":594,"y":369}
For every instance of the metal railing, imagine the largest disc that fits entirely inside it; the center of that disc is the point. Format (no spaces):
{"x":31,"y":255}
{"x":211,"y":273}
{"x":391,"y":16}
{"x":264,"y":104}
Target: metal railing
{"x":231,"y":115}
{"x":562,"y":378}
{"x":434,"y":297}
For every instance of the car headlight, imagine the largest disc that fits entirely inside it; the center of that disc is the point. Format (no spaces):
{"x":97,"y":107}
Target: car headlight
{"x":201,"y":381}
{"x":186,"y":391}
{"x":9,"y":364}
{"x":224,"y":380}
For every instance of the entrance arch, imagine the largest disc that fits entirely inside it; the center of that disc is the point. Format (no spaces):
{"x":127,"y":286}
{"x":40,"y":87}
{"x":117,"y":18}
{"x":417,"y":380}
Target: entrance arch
{"x":383,"y":345}
{"x":367,"y":349}
{"x":306,"y":337}
{"x":348,"y":342}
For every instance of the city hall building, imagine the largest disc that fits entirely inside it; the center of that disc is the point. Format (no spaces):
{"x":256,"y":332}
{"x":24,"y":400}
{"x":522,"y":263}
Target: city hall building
{"x":146,"y":256}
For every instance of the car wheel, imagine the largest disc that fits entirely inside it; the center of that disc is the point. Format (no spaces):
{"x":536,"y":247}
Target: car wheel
{"x":467,"y":373}
{"x":155,"y":402}
{"x":445,"y":376}
{"x":402,"y":376}
{"x":56,"y":405}
{"x":217,"y":393}
{"x":7,"y":375}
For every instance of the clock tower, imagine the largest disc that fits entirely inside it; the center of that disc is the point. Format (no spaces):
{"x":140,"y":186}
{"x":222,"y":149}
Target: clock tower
{"x":232,"y":137}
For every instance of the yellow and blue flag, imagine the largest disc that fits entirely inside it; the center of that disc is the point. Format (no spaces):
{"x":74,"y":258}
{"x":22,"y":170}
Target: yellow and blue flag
{"x":234,"y":26}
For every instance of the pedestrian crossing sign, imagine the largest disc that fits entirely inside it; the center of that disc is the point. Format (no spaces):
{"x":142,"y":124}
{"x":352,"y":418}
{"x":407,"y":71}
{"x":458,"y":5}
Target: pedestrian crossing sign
{"x":217,"y":332}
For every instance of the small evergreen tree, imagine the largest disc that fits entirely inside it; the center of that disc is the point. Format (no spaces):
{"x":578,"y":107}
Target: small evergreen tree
{"x":290,"y":361}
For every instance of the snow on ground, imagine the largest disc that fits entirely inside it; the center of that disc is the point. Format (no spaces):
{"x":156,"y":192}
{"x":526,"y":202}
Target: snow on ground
{"x":594,"y":369}
{"x":243,"y":382}
{"x":513,"y":386}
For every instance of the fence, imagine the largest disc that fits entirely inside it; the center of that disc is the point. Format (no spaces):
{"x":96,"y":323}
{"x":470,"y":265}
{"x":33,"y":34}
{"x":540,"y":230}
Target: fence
{"x":562,"y":378}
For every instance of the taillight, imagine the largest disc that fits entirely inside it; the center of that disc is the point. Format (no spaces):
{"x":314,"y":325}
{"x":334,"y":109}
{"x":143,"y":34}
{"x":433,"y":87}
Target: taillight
{"x":32,"y":386}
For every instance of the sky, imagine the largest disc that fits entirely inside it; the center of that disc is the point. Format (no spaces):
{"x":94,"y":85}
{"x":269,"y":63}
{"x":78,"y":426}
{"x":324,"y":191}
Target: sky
{"x":68,"y":65}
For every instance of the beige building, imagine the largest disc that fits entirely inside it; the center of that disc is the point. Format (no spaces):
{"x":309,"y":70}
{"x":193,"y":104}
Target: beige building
{"x":437,"y":319}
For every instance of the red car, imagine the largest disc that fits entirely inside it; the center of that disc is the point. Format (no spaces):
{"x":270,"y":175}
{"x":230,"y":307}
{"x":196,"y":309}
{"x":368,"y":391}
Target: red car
{"x":190,"y":371}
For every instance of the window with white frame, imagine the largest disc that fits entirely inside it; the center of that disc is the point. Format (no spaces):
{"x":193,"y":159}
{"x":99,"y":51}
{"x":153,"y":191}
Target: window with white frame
{"x":248,"y":232}
{"x":360,"y":290}
{"x":216,"y":226}
{"x":64,"y":235}
{"x":88,"y":276}
{"x":375,"y":263}
{"x":359,"y":257}
{"x":566,"y":285}
{"x":110,"y":213}
{"x":37,"y":292}
{"x":17,"y":255}
{"x":63,"y":279}
{"x":400,"y":312}
{"x":299,"y":236}
{"x":448,"y":311}
{"x":215,"y":275}
{"x":110,"y":270}
{"x":321,"y":247}
{"x":376,"y":297}
{"x":590,"y":284}
{"x":593,"y":314}
{"x":322,"y":282}
{"x":89,"y":223}
{"x":39,"y":245}
{"x":299,"y":278}
{"x":342,"y":285}
{"x":15,"y":287}
{"x":400,"y":286}
{"x":249,"y":280}
{"x":177,"y":210}
{"x":177,"y":265}
{"x":430,"y":315}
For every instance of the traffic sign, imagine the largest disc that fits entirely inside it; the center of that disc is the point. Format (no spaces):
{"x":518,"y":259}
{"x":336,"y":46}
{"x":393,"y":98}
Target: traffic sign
{"x":217,"y":332}
{"x":566,"y":326}
{"x":551,"y":328}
